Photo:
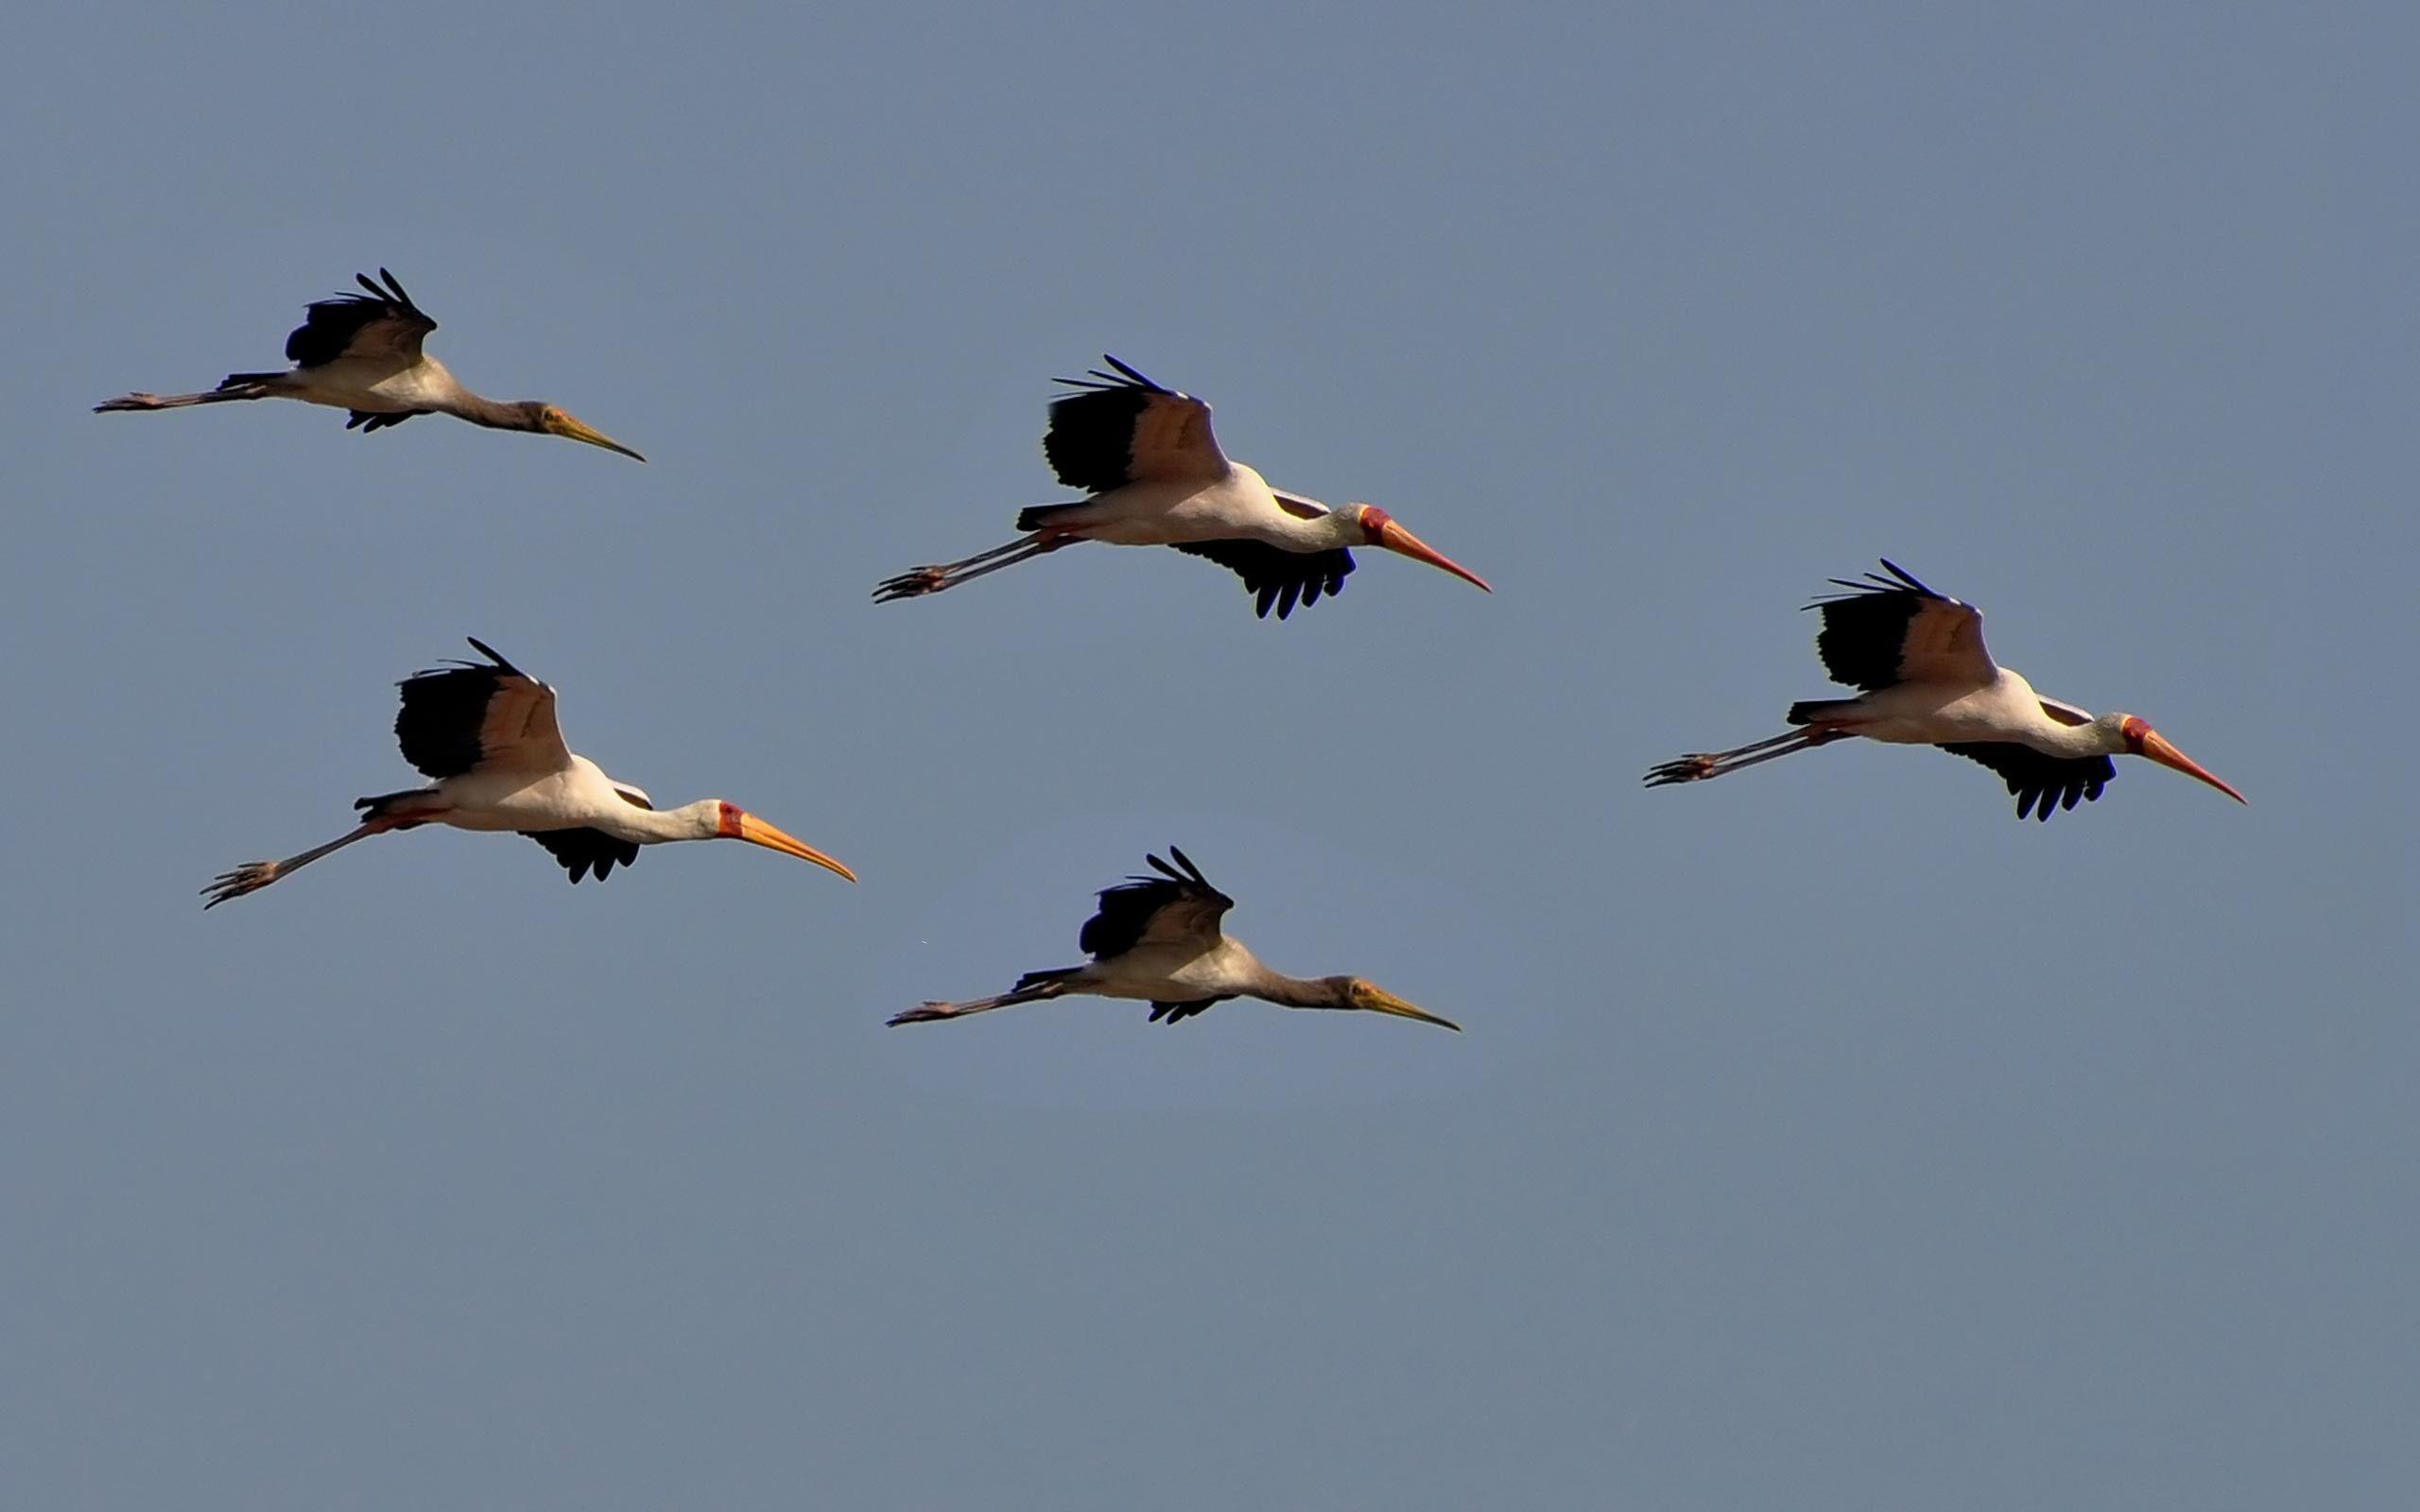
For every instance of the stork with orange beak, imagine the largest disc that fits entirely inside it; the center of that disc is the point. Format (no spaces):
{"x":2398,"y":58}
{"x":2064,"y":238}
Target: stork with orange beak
{"x":1156,"y":477}
{"x":487,"y":734}
{"x":360,"y":353}
{"x":1928,"y":681}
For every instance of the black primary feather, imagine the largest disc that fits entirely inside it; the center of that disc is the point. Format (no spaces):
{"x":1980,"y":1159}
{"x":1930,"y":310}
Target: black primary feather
{"x":438,"y":725}
{"x":1179,"y":1012}
{"x":329,"y":325}
{"x":1276,"y":578}
{"x":2041,"y":782}
{"x":1090,"y":443}
{"x":1127,"y":909}
{"x":582,"y":851}
{"x":1865,"y":630}
{"x":368,"y":421}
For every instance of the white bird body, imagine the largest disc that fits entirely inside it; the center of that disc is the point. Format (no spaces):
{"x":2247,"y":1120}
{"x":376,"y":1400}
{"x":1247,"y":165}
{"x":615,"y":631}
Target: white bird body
{"x":487,"y":736}
{"x":1937,"y":713}
{"x":1930,"y":681}
{"x":1239,"y":505}
{"x":1176,"y":973}
{"x":577,"y":795}
{"x":1154,"y":476}
{"x":378,"y":386}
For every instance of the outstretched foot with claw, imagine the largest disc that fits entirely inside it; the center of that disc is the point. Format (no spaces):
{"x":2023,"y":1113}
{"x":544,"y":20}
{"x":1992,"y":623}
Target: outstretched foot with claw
{"x":923,"y":1013}
{"x":249,"y":877}
{"x":913,"y":583}
{"x":1690,"y":768}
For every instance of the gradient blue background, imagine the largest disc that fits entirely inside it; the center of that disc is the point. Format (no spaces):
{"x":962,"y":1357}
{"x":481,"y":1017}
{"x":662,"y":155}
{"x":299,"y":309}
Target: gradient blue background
{"x":1825,"y":1138}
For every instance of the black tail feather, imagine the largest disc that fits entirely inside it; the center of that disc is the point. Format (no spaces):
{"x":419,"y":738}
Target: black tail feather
{"x":1809,"y":711}
{"x":376,"y":807}
{"x":1034,"y":517}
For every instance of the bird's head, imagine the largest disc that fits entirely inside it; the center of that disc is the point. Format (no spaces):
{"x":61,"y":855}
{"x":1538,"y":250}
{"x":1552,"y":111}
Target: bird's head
{"x":2133,"y":735}
{"x":1379,"y":528}
{"x":562,"y":423}
{"x":1368,"y":997}
{"x":729,"y":822}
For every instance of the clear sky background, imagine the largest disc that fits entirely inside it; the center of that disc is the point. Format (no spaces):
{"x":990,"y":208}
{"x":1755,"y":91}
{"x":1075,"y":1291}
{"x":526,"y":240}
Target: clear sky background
{"x":1822,"y":1138}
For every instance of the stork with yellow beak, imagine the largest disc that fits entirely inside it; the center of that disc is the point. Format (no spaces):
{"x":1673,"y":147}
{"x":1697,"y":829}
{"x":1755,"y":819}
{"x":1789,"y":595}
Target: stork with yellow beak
{"x":361,"y":353}
{"x":1156,"y":939}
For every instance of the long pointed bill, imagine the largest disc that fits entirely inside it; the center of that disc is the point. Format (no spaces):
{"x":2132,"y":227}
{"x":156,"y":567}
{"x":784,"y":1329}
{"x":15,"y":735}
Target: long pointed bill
{"x":2156,"y":746}
{"x":574,"y":429}
{"x":1395,"y":538}
{"x":1378,"y":1000}
{"x":756,"y":832}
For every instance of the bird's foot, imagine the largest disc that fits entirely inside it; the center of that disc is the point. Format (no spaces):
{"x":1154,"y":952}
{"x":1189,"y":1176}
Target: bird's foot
{"x":921,"y":1013}
{"x":1688,"y":768}
{"x":913,"y":583}
{"x":128,"y":402}
{"x":249,"y":877}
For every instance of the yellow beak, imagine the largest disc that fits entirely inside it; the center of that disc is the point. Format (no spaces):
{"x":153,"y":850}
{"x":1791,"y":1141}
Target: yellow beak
{"x":1378,"y":1000}
{"x":570,"y":428}
{"x":2156,"y":746}
{"x":756,"y":832}
{"x":1395,"y":538}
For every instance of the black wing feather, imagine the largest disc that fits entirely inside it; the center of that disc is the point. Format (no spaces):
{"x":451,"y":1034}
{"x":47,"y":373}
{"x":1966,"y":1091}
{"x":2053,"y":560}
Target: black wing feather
{"x":1865,"y":630}
{"x":368,"y":421}
{"x":329,"y":325}
{"x":582,"y":851}
{"x":443,"y":707}
{"x":1275,"y":576}
{"x":1179,"y":1012}
{"x":2040,"y":782}
{"x":1127,"y":910}
{"x":1090,"y":443}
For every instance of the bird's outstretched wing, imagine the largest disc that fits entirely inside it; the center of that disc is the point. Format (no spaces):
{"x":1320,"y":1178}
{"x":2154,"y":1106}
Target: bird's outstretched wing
{"x":1277,"y":577}
{"x":459,"y":718}
{"x":2040,"y":782}
{"x":1124,"y":428}
{"x":1173,"y":908}
{"x":582,"y":851}
{"x":1884,"y":631}
{"x":380,"y":325}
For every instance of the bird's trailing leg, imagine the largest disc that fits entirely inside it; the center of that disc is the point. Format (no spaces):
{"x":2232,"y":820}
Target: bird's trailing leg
{"x":1034,"y":986}
{"x":918,"y":582}
{"x":1702,"y":764}
{"x":254,"y":875}
{"x":220,"y":395}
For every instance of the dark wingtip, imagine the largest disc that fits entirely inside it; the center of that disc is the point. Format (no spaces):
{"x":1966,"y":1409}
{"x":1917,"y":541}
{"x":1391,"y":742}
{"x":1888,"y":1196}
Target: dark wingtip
{"x":491,"y":653}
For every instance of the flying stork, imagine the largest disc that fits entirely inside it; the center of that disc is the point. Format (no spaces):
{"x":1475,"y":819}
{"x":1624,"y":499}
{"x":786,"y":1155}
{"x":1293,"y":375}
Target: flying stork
{"x":1158,"y":938}
{"x":1156,"y":477}
{"x":487,"y":734}
{"x":361,"y":353}
{"x":1927,"y":680}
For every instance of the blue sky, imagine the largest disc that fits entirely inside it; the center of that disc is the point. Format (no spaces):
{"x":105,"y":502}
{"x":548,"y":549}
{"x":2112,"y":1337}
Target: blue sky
{"x":1822,"y":1138}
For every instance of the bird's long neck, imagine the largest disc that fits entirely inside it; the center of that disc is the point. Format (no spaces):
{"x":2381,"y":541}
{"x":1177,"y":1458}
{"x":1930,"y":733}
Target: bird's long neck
{"x":2102,"y":737}
{"x":498,"y":414}
{"x":702,"y":820}
{"x":1299,"y":992}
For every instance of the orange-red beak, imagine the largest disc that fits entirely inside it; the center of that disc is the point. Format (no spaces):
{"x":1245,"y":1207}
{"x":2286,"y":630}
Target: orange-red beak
{"x":2156,"y":746}
{"x":738,"y":824}
{"x":1395,"y":538}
